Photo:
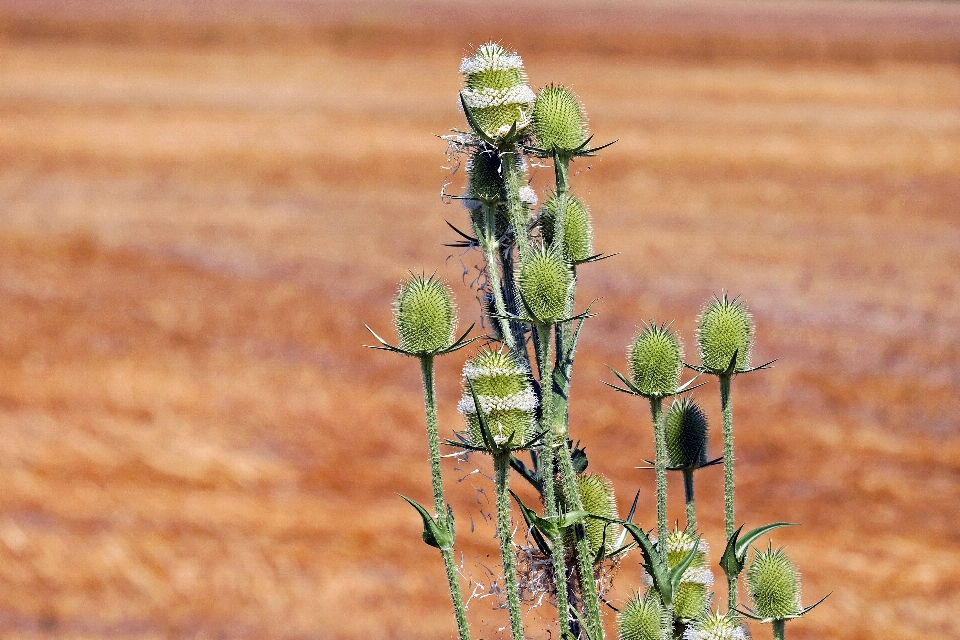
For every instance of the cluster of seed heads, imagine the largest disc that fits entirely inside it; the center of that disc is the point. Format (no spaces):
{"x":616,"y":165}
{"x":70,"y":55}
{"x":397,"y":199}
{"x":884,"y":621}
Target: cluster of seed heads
{"x":687,"y":435}
{"x":656,"y":360}
{"x":496,"y":89}
{"x":726,"y":328}
{"x":545,"y":284}
{"x":774,"y":585}
{"x":716,"y":626}
{"x":565,"y":223}
{"x":558,"y":120}
{"x":502,"y":387}
{"x":644,"y":618}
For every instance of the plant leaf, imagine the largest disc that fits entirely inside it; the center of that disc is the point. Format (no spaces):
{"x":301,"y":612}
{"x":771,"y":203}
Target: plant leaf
{"x":434,"y":533}
{"x":676,"y":573}
{"x":744,"y":543}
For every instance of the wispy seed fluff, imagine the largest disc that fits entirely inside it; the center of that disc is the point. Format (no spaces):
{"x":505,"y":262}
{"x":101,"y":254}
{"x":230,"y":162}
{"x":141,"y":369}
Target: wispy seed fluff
{"x":644,"y":619}
{"x":503,"y":388}
{"x":656,"y":359}
{"x":716,"y":626}
{"x":774,"y":585}
{"x":545,"y":282}
{"x":687,"y":435}
{"x":425,"y":315}
{"x":496,"y":89}
{"x":563,"y":212}
{"x":693,"y":593}
{"x":558,"y":120}
{"x":725,"y":327}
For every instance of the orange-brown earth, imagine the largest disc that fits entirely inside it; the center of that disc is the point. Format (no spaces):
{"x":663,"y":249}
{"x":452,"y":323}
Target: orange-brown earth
{"x":202,"y":203}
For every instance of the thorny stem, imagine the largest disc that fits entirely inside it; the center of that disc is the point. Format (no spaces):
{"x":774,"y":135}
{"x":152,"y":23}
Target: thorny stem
{"x":547,"y":477}
{"x":727,"y":411}
{"x":488,"y":245}
{"x":501,"y":464}
{"x":516,"y":210}
{"x":779,"y":629}
{"x":561,"y":167}
{"x":439,"y":504}
{"x":571,"y":495}
{"x":660,"y":441}
{"x":688,"y":494}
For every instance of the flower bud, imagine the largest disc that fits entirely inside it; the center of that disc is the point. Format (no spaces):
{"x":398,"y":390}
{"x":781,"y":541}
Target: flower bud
{"x":686,"y":435}
{"x":545,"y":281}
{"x":496,"y":89}
{"x":558,"y":120}
{"x":566,"y":225}
{"x":596,"y":495}
{"x":774,"y":585}
{"x":716,"y":626}
{"x":643,"y":619}
{"x":484,"y":180}
{"x":656,"y":359}
{"x":725,"y":328}
{"x":502,"y":386}
{"x":691,"y":598}
{"x":425,"y":315}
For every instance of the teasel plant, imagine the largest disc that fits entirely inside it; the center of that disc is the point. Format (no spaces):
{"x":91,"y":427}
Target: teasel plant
{"x":516,"y":389}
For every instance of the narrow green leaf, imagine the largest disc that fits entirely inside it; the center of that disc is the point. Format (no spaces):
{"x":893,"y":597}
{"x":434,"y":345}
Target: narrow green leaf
{"x":434,"y":534}
{"x":744,"y":543}
{"x":676,"y":573}
{"x":730,"y":561}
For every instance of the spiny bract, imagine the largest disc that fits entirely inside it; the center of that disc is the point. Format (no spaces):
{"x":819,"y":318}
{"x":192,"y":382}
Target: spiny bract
{"x":502,"y":386}
{"x":774,"y":585}
{"x":425,"y":315}
{"x":687,"y":433}
{"x":596,"y":494}
{"x":566,"y":212}
{"x":716,"y":626}
{"x":725,"y":328}
{"x":656,"y":359}
{"x":643,"y":619}
{"x":496,"y":90}
{"x":545,"y":282}
{"x":558,"y":120}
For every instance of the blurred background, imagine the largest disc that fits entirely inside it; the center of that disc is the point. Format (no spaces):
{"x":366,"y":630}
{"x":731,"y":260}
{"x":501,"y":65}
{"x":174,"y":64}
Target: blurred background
{"x":202,"y":202}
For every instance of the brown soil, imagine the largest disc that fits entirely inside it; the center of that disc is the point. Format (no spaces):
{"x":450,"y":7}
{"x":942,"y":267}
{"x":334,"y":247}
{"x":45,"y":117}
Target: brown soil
{"x":202,"y":204}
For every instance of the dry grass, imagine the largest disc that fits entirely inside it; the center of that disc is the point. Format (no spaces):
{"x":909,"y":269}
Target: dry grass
{"x":197,"y":221}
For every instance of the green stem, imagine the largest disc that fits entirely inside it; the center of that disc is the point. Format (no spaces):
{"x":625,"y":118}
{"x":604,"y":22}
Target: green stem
{"x":439,"y":504}
{"x":660,"y":442}
{"x":517,"y":212}
{"x":688,"y":494}
{"x":489,"y":245}
{"x":561,"y":169}
{"x":779,"y":629}
{"x":501,"y":464}
{"x":547,"y":477}
{"x":727,"y":411}
{"x":571,"y":495}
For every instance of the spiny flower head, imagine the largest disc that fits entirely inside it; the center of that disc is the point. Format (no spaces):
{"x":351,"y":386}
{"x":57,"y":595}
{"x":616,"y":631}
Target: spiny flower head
{"x":643,"y":619}
{"x":716,"y":626}
{"x":496,"y":90}
{"x":484,"y":179}
{"x":656,"y":359}
{"x":565,"y":222}
{"x":725,"y":327}
{"x":692,"y":596}
{"x":545,"y":282}
{"x":425,"y":315}
{"x":774,"y":585}
{"x":687,"y":432}
{"x":502,"y":385}
{"x":596,"y":494}
{"x":558,"y":120}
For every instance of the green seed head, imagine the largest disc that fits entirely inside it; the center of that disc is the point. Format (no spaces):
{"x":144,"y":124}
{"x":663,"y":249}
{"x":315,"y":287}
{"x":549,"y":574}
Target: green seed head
{"x":692,"y":596}
{"x":425,"y":315}
{"x":716,"y":626}
{"x":596,"y":494}
{"x":725,"y":327}
{"x":496,"y":89}
{"x":545,"y":281}
{"x":686,"y":435}
{"x":566,"y":213}
{"x":558,"y":120}
{"x":774,"y":585}
{"x":656,"y":359}
{"x":502,"y":386}
{"x":643,"y":619}
{"x":484,"y":180}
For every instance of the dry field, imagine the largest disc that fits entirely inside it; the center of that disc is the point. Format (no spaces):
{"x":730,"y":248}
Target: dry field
{"x":201,"y":203}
